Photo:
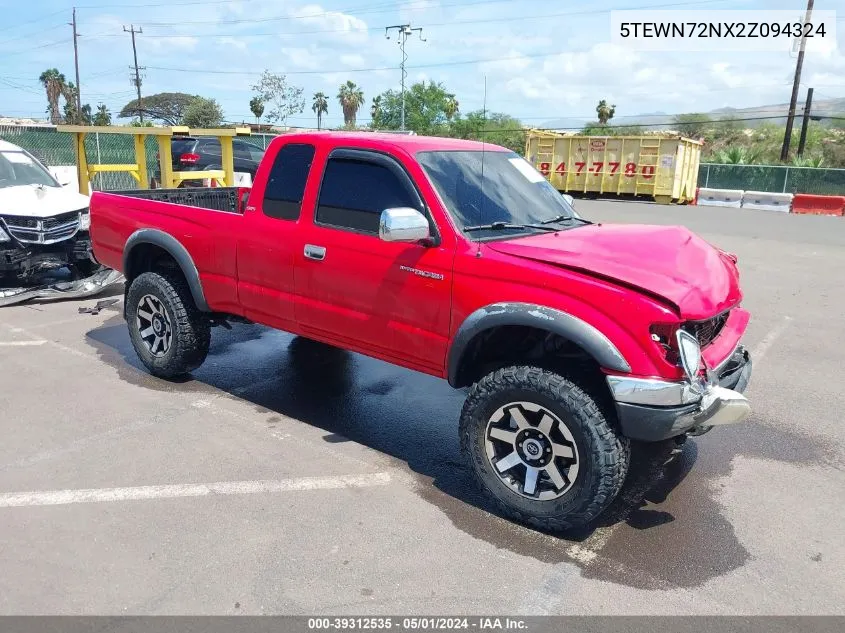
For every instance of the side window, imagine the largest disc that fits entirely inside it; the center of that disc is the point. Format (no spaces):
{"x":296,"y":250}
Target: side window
{"x":240,"y":150}
{"x":210,"y":147}
{"x":286,"y":183}
{"x":253,"y":152}
{"x":355,"y":192}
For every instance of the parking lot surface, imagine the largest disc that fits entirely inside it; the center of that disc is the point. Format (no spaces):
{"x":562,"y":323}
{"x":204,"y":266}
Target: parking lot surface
{"x":291,"y":478}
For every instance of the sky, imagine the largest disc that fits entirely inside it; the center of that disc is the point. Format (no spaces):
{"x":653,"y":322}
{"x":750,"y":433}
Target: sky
{"x":542,"y":60}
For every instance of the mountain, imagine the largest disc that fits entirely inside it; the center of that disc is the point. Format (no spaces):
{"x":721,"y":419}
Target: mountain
{"x":661,"y":120}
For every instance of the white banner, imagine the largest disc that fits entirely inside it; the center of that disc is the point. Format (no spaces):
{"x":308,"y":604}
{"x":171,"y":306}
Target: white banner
{"x":723,"y":30}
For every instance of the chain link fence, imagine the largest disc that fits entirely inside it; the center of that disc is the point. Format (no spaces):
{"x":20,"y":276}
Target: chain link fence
{"x":55,"y":149}
{"x":773,"y":178}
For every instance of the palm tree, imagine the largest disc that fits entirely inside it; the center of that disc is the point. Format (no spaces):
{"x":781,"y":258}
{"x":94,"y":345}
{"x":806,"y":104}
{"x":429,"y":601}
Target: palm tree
{"x":320,"y":106}
{"x":54,"y":85}
{"x":375,"y":110}
{"x":351,"y":98}
{"x":103,"y":116}
{"x":450,"y":108}
{"x":605,"y":111}
{"x":71,"y":113}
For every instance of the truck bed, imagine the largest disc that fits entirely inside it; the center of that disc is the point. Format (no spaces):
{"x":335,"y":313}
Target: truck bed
{"x":215,"y":198}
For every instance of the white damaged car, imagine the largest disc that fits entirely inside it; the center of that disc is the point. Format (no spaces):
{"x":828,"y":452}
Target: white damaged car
{"x":43,"y":225}
{"x":44,"y":235}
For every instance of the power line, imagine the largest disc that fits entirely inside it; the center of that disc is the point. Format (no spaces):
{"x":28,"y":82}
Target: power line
{"x":43,"y":17}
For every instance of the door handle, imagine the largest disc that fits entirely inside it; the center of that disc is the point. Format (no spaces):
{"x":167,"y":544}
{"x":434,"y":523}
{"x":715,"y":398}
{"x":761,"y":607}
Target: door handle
{"x":315,"y":252}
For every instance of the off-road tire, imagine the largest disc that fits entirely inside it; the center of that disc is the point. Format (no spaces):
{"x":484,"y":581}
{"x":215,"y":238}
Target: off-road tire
{"x":191,"y":328}
{"x":603,"y":452}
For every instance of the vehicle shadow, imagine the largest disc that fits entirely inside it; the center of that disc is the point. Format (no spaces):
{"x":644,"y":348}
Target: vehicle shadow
{"x":402,"y":414}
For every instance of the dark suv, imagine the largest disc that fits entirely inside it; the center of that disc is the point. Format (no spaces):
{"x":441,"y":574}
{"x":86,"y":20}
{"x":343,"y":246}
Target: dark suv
{"x":202,"y":153}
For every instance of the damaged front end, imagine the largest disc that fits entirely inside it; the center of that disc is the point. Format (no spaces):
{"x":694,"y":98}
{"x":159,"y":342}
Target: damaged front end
{"x":35,"y":253}
{"x":75,"y":289}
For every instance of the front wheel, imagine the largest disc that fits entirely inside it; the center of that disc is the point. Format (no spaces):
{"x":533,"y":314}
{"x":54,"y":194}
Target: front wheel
{"x":541,"y":448}
{"x":169,"y":333}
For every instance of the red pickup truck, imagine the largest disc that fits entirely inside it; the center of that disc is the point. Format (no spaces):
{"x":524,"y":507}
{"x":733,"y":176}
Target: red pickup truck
{"x":459,"y":260}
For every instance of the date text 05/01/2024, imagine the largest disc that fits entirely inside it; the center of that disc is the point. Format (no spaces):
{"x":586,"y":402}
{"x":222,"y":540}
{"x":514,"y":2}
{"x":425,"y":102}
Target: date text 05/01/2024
{"x":417,"y":623}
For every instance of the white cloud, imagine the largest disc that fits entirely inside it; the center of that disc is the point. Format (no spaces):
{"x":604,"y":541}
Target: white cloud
{"x":339,"y":26}
{"x":353,"y":60}
{"x":232,"y":42}
{"x":513,"y":62}
{"x":177,"y":42}
{"x":303,"y":58}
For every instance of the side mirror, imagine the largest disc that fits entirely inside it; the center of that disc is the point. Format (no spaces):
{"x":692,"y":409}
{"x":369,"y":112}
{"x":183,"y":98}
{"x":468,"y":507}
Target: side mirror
{"x":403,"y":224}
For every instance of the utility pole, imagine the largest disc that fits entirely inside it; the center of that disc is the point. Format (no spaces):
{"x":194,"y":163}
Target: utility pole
{"x":76,"y":64}
{"x":405,"y":31}
{"x":137,"y":79}
{"x":790,"y":118}
{"x":806,"y":122}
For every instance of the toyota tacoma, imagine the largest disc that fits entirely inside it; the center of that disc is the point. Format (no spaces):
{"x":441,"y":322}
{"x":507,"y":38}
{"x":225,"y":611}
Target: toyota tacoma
{"x":457,"y":259}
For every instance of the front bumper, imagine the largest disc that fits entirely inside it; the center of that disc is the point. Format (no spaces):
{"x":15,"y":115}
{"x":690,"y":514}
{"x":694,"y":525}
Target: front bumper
{"x":654,"y":410}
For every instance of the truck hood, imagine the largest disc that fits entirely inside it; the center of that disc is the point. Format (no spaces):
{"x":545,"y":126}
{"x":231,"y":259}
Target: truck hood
{"x":31,"y":201}
{"x":669,"y":262}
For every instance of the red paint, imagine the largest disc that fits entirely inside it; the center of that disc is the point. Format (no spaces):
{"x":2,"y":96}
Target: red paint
{"x":619,"y":278}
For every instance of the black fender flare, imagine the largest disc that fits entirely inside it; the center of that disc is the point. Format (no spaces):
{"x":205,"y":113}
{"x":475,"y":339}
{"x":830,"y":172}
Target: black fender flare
{"x":177,"y":251}
{"x":586,"y":336}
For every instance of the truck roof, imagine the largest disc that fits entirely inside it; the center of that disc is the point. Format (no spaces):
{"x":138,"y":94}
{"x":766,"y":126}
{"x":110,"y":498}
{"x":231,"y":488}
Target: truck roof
{"x":410,"y":143}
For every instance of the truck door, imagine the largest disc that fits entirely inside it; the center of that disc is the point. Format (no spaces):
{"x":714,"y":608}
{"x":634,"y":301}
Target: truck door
{"x":387,"y":299}
{"x":267,"y":252}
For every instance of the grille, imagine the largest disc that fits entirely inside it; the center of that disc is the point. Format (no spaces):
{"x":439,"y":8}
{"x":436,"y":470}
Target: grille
{"x":46,"y":231}
{"x":60,"y":220}
{"x":706,"y":331}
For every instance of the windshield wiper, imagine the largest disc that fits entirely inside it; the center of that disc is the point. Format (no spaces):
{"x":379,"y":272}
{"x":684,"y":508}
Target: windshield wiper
{"x":498,"y":226}
{"x":564,"y":218}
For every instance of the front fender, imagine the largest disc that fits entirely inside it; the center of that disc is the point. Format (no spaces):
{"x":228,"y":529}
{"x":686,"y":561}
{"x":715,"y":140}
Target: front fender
{"x":581,"y":333}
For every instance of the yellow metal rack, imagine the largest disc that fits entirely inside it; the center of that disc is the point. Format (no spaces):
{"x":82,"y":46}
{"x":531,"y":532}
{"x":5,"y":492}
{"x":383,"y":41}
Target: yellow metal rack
{"x":170,"y":177}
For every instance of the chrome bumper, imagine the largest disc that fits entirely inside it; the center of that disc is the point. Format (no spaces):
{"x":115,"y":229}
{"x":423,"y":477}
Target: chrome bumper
{"x":653,"y":410}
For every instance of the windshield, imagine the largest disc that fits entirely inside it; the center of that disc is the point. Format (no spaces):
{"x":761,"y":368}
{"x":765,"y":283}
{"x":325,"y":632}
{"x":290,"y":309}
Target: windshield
{"x":514,"y":192}
{"x":19,"y":168}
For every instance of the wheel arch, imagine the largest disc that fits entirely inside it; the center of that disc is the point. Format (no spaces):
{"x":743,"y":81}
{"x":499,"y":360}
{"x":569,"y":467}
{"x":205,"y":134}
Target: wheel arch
{"x":142,"y":240}
{"x":583,"y":335}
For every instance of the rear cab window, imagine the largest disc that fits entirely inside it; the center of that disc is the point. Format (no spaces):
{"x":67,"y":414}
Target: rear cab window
{"x":286,"y":182}
{"x":354,"y":192}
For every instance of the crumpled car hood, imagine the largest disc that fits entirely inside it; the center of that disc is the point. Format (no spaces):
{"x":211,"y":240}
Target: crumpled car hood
{"x":670,"y":262}
{"x":40,"y":202}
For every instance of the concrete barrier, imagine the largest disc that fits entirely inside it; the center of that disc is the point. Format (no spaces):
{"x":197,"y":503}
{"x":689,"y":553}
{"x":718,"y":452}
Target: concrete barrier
{"x":767,"y":201}
{"x":720,"y":197}
{"x":818,"y":205}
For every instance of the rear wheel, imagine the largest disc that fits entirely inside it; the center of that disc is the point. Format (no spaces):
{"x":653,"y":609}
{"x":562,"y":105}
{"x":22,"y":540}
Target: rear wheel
{"x":541,"y":448}
{"x":169,"y":334}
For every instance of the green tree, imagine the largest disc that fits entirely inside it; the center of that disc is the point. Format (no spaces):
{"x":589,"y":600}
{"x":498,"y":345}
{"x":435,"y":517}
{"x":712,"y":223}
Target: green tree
{"x":166,"y":107}
{"x":284,"y":99}
{"x":427,"y":108}
{"x":103,"y":116}
{"x":320,"y":106}
{"x":203,"y":113}
{"x":493,"y":127}
{"x":351,"y":98}
{"x":256,"y":106}
{"x":693,"y":125}
{"x":54,"y":84}
{"x":375,"y":111}
{"x":605,"y":112}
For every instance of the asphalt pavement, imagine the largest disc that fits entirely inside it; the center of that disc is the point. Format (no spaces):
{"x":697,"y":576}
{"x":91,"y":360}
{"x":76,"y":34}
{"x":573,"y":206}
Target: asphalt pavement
{"x":286,"y":477}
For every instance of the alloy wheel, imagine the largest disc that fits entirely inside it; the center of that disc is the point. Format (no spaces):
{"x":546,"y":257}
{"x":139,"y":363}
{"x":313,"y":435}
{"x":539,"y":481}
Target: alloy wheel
{"x":531,"y":450}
